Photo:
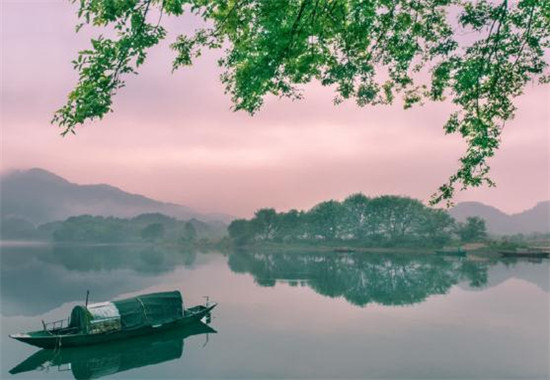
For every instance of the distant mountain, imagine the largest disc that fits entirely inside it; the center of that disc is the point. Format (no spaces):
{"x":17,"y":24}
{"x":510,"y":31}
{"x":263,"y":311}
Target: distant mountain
{"x":536,"y":219}
{"x":497,"y":221}
{"x":534,"y":273}
{"x":39,"y":196}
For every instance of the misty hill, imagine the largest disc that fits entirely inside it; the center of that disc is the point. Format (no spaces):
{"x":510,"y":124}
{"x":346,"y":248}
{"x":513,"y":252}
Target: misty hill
{"x":536,"y":219}
{"x":100,"y":229}
{"x":39,"y":196}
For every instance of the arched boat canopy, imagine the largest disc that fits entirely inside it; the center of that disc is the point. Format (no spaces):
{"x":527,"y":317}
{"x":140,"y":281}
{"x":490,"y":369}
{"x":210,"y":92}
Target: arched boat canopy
{"x":127,"y":314}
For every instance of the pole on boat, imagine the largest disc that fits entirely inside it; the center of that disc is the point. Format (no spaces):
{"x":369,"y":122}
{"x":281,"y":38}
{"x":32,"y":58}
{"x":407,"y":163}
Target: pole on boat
{"x":87,"y":294}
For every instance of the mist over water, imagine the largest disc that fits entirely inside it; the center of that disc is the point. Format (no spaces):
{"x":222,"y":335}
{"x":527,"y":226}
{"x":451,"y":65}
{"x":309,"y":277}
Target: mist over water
{"x":281,"y":315}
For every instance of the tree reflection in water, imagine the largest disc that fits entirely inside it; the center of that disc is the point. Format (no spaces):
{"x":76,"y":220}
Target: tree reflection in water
{"x":363,"y":278}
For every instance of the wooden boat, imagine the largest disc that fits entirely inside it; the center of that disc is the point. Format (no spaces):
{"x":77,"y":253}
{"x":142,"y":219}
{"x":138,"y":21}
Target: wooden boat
{"x":107,"y":359}
{"x":116,"y":320}
{"x":451,"y":252}
{"x":526,"y":252}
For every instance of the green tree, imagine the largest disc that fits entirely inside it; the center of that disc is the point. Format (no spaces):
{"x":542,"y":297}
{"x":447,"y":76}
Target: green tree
{"x":88,"y":228}
{"x":436,"y":226}
{"x":189,"y":232}
{"x":383,"y":220}
{"x":240,"y":231}
{"x":371,"y":52}
{"x":290,"y":225}
{"x":355,"y":218}
{"x":325,"y":220}
{"x":394,"y":217}
{"x":265,"y":223}
{"x":473,"y":230}
{"x":152,"y":232}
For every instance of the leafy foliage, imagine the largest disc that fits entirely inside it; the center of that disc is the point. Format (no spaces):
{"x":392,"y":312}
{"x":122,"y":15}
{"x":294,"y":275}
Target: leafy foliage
{"x":324,"y":220}
{"x":87,"y":228}
{"x":472,"y":230}
{"x":385,"y":220}
{"x":152,"y":232}
{"x":240,"y":231}
{"x":148,"y":227}
{"x":189,"y":232}
{"x":265,"y":222}
{"x":481,"y":54}
{"x":101,"y":67}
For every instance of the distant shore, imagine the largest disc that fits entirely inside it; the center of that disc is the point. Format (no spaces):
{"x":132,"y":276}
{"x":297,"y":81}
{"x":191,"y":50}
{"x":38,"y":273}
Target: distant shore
{"x":335,"y":248}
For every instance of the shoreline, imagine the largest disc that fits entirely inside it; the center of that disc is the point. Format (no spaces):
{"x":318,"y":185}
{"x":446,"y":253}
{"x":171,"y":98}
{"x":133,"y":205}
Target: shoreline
{"x":334,"y":248}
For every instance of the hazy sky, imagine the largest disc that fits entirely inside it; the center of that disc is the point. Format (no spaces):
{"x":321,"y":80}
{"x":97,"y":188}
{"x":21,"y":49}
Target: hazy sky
{"x":173,"y":137}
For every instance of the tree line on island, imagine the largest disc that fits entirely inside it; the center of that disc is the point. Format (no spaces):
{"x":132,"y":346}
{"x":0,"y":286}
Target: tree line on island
{"x":386,"y":220}
{"x":376,"y":222}
{"x":150,"y":228}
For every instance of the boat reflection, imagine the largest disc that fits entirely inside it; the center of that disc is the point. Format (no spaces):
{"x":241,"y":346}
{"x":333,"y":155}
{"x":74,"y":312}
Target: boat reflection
{"x":106,"y":359}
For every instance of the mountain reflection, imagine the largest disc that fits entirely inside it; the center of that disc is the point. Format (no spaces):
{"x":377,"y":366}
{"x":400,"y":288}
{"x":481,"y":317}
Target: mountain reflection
{"x":37,"y":279}
{"x":387,"y":279}
{"x":107,"y":359}
{"x":108,"y":270}
{"x":139,"y":258}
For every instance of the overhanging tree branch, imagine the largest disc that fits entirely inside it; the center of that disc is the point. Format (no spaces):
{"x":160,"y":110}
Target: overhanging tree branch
{"x":268,"y":51}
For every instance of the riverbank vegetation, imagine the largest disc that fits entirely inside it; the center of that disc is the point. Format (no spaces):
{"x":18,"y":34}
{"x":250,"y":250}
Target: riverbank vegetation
{"x":383,"y":221}
{"x":144,"y":228}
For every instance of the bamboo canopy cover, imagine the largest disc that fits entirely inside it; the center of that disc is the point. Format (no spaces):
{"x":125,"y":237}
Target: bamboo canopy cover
{"x":128,"y":314}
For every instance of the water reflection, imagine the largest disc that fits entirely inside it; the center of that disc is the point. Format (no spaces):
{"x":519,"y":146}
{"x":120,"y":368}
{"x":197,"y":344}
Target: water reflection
{"x":145,"y":259}
{"x":107,"y":359}
{"x":494,"y":314}
{"x":387,"y":279}
{"x":68,"y":271}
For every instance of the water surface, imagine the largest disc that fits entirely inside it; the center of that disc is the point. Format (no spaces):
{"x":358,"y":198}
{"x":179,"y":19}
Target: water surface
{"x":284,"y":315}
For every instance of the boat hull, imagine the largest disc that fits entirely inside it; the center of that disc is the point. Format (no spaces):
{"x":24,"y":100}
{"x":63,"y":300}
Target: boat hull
{"x":113,"y":357}
{"x":45,"y":339}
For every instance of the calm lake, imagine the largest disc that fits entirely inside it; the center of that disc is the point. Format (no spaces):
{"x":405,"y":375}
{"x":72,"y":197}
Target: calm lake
{"x":283,"y":315}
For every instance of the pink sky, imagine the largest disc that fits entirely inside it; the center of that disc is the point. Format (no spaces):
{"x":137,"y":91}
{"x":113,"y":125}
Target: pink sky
{"x":173,"y":137}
